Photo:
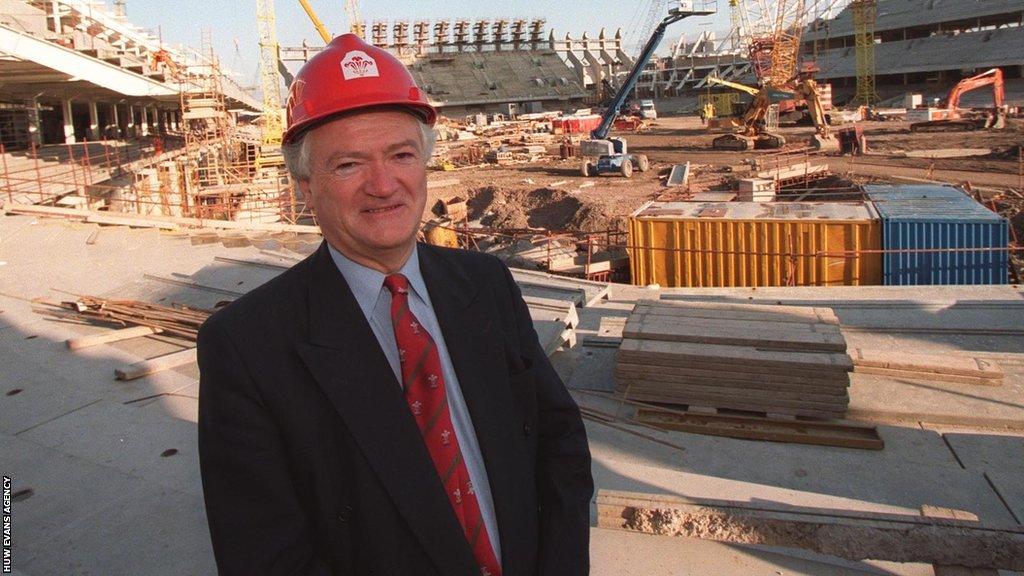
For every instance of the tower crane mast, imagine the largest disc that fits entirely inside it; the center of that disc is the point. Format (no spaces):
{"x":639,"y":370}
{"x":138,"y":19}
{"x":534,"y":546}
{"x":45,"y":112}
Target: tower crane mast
{"x":273,"y":127}
{"x":355,"y":21}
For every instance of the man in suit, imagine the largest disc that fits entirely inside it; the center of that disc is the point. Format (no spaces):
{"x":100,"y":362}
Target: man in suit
{"x":384,"y":407}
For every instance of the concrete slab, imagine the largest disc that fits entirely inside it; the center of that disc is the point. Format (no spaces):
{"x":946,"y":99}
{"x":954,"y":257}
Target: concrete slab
{"x":915,"y":468}
{"x":881,"y":398}
{"x":963,"y":490}
{"x":988,"y":451}
{"x":128,"y":438}
{"x":595,"y":369}
{"x":177,"y":406}
{"x":55,"y":381}
{"x":84,"y":518}
{"x":1010,"y":487}
{"x":234,"y":277}
{"x":620,"y":553}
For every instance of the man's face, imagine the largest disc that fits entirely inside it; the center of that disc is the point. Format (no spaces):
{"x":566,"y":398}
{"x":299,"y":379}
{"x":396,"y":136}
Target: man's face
{"x":368,"y":183}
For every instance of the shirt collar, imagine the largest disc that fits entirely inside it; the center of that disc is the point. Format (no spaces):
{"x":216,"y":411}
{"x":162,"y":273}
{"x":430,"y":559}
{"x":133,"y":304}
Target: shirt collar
{"x":366,"y":283}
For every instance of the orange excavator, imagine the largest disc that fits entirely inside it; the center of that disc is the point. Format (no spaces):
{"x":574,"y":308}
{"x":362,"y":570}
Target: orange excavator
{"x":952,"y":118}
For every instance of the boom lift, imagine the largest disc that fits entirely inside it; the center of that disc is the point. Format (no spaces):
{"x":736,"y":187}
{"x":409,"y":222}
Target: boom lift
{"x":953,"y":119}
{"x":611,"y":153}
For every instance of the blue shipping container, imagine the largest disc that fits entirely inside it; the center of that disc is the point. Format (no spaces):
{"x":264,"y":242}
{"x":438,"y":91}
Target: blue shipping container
{"x":928,"y":217}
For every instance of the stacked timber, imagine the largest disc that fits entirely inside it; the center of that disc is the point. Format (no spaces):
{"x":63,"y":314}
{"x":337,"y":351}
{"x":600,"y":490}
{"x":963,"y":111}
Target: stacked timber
{"x":786,"y":360}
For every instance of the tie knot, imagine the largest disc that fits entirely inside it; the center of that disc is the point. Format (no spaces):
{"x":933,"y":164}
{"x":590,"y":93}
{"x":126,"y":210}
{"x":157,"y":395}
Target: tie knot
{"x":397,"y":284}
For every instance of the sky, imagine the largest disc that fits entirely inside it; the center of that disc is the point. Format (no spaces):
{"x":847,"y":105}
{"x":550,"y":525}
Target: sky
{"x":234,"y":32}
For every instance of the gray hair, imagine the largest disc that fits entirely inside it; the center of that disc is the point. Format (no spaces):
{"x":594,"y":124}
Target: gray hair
{"x":296,"y":152}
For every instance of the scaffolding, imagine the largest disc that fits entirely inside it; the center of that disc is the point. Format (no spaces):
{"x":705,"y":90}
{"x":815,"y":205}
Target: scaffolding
{"x":865,"y":12}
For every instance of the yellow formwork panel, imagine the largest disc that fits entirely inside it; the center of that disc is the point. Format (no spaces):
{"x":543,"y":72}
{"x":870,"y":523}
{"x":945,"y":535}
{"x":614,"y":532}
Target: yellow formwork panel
{"x":720,"y":253}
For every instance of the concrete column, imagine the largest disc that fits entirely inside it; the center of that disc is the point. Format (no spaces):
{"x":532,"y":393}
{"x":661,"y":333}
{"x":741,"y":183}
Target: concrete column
{"x":35,"y":135}
{"x":69,"y":124}
{"x":94,"y":121}
{"x":144,"y":121}
{"x":56,"y":17}
{"x":115,"y":120}
{"x":130,"y":125}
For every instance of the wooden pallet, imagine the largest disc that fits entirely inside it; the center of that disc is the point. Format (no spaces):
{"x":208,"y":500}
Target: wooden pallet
{"x":781,"y":359}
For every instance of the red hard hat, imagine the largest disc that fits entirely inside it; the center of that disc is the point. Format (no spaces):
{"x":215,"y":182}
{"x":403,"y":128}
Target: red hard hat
{"x":349,"y":74}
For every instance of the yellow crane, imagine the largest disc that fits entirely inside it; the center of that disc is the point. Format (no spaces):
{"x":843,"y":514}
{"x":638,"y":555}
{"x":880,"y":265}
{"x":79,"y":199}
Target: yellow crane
{"x":317,"y":23}
{"x":355,"y":21}
{"x":734,"y":85}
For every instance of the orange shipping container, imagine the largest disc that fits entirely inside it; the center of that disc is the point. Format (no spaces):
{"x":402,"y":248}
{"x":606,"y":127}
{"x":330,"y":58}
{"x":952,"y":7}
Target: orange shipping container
{"x":750,"y":244}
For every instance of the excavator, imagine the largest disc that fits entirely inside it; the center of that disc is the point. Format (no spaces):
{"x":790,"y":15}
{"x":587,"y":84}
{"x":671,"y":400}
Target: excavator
{"x":952,"y":118}
{"x":752,"y":134}
{"x":751,"y":131}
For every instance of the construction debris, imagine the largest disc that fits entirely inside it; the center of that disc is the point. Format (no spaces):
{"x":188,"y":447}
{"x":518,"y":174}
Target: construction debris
{"x":679,"y":175}
{"x":845,"y":534}
{"x":180,"y":321}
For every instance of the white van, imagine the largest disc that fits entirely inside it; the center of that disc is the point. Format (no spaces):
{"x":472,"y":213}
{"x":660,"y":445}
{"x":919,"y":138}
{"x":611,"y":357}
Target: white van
{"x":647,"y":111}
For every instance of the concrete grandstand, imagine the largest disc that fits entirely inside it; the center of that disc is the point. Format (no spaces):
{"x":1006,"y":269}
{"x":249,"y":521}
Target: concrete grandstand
{"x":73,"y":71}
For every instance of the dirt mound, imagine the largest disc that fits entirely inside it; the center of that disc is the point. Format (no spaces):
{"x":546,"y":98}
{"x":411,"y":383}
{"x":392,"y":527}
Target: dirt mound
{"x":545,"y":208}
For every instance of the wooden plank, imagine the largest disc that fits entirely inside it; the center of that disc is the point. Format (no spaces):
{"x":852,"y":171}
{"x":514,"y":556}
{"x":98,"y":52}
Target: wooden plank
{"x":928,"y":376}
{"x":733,"y":369}
{"x":766,"y":376}
{"x":727,"y":310}
{"x":707,"y":394}
{"x":109,"y":337}
{"x":704,"y":394}
{"x":733,"y":335}
{"x":734,"y":403}
{"x":759,"y":334}
{"x":930,"y":511}
{"x":927,"y":363}
{"x":845,"y":534}
{"x":673,"y":384}
{"x":159,"y":364}
{"x":755,"y":428}
{"x":739,"y":355}
{"x":730,"y":326}
{"x":836,"y":386}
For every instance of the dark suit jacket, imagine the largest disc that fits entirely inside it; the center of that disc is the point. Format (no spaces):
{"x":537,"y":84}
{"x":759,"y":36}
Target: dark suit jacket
{"x":312,"y":462}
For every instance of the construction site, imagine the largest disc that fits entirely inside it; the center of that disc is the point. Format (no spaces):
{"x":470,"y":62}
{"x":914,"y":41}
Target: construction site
{"x":773,"y":248}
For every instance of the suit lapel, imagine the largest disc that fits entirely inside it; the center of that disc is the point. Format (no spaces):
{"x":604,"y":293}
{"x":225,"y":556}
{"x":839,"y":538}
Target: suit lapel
{"x":346,"y":360}
{"x":475,"y":343}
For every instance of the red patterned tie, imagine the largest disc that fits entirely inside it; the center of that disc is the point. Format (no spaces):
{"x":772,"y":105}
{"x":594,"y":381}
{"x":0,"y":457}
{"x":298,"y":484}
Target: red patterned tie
{"x":425,"y":393}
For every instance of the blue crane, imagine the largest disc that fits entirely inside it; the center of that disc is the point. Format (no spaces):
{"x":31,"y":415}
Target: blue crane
{"x":611,"y":153}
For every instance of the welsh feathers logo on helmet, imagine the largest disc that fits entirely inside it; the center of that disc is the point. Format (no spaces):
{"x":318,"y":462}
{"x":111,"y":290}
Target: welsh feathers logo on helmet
{"x":349,"y":74}
{"x":357,"y":64}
